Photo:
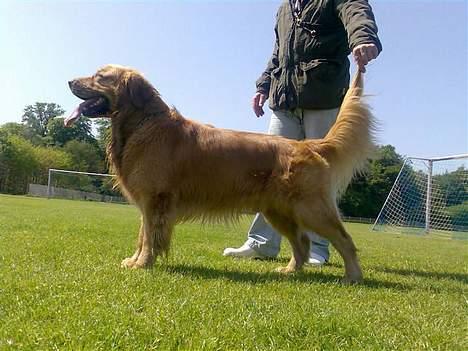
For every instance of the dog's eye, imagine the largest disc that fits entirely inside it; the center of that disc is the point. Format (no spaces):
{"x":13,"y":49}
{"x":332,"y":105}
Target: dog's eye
{"x":102,"y":78}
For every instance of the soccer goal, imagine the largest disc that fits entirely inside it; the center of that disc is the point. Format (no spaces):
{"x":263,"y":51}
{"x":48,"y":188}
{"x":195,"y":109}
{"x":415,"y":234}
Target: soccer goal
{"x":429,"y":196}
{"x":79,"y":186}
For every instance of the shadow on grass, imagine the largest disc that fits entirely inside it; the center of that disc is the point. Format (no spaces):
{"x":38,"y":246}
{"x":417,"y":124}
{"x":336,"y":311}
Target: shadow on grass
{"x":461,"y":277}
{"x":268,"y":277}
{"x":424,"y":274}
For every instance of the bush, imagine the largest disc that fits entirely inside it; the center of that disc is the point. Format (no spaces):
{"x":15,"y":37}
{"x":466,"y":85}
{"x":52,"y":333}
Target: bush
{"x":18,"y":163}
{"x":22,"y":163}
{"x":50,"y":158}
{"x":459,"y":214}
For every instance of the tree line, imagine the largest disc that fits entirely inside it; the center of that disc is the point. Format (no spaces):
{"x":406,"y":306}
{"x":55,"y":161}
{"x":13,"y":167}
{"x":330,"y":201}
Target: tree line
{"x":28,"y":149}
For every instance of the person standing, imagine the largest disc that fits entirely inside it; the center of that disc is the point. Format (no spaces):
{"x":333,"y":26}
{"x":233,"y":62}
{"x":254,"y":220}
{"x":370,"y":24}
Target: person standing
{"x":305,"y":82}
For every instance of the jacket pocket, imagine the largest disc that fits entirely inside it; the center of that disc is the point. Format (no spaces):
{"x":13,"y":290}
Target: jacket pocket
{"x":321,"y":83}
{"x":276,"y":88}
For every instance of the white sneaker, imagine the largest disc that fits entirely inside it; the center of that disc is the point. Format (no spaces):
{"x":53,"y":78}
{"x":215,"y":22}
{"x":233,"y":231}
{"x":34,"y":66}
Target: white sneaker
{"x":316,"y":260}
{"x":243,"y":251}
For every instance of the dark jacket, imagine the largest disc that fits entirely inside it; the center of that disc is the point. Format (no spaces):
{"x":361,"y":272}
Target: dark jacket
{"x":309,"y":67}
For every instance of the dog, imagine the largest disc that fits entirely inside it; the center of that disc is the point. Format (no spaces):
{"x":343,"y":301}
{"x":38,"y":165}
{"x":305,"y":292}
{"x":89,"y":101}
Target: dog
{"x":175,"y":169}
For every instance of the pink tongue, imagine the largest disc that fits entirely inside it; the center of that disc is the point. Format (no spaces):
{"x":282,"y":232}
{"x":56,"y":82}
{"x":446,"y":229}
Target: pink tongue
{"x":73,"y":117}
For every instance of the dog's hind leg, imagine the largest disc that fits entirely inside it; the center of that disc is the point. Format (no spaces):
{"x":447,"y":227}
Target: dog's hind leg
{"x":163,"y":231}
{"x":323,"y":219}
{"x":343,"y":243}
{"x":300,"y":242}
{"x":345,"y":246}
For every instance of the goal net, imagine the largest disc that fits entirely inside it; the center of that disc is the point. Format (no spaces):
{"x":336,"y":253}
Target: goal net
{"x":78,"y":186}
{"x":428,"y":196}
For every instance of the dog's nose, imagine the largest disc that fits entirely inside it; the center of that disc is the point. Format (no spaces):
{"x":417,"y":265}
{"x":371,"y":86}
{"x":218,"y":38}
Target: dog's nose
{"x":70,"y":83}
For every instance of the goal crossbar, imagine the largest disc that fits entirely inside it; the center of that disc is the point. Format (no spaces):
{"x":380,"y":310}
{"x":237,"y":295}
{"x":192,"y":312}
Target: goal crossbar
{"x":77,"y":172}
{"x":445,"y":158}
{"x":71,"y":172}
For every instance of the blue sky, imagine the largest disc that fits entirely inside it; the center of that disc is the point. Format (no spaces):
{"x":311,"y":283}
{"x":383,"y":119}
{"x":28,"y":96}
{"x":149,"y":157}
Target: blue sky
{"x":204,"y":58}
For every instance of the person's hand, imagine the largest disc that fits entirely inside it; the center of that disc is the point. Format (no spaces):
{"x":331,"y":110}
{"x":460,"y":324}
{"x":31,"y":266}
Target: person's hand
{"x":363,"y":54}
{"x":257,"y":104}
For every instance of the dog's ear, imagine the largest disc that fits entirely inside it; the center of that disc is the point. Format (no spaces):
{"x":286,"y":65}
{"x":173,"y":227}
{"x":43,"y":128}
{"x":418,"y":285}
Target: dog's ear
{"x":139,"y":91}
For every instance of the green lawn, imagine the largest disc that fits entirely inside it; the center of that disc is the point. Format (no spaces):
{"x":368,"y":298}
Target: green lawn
{"x":61,"y":287}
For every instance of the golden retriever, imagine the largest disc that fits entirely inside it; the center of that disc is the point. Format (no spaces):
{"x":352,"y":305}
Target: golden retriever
{"x":175,"y":169}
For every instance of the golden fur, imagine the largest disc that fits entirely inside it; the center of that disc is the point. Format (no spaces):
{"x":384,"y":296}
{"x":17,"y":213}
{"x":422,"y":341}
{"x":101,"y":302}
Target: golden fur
{"x":175,"y":169}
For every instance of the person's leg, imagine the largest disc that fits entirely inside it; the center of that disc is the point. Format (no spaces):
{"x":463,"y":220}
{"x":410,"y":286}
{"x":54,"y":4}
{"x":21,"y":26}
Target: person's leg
{"x":317,"y":123}
{"x":263,"y":240}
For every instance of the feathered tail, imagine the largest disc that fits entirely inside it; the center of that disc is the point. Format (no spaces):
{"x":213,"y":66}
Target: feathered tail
{"x":350,"y":142}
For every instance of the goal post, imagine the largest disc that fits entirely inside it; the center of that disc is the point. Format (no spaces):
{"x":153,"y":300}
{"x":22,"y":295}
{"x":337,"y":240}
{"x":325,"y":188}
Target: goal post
{"x":429,"y":195}
{"x":82,"y":186}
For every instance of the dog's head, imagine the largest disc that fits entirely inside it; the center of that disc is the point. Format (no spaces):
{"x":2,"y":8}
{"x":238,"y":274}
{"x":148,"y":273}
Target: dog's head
{"x":110,"y":89}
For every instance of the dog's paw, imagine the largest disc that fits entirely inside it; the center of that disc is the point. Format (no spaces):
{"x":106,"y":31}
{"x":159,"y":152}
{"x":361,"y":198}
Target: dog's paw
{"x":285,"y":270}
{"x":129,"y":262}
{"x":143,"y":263}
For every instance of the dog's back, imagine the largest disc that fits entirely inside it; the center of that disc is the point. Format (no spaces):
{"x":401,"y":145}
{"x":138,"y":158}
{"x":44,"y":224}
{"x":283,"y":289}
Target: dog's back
{"x":220,"y":173}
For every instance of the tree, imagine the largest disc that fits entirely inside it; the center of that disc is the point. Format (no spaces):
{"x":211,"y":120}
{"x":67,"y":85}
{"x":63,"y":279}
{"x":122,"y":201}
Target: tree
{"x":37,"y":116}
{"x":18,"y":164}
{"x":13,"y":128}
{"x":452,"y":185}
{"x":22,"y":163}
{"x":59,"y":135}
{"x":84,"y":157}
{"x":367,"y":192}
{"x":104,"y":132}
{"x":3,"y":161}
{"x":459,"y":215}
{"x":20,"y":130}
{"x":49,"y":157}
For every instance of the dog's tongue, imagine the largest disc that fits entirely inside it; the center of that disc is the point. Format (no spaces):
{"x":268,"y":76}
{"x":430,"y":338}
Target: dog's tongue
{"x":73,"y":117}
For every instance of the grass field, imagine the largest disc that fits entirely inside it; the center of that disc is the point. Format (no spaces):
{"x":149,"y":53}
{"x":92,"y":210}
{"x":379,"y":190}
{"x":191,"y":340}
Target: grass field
{"x":61,"y":288}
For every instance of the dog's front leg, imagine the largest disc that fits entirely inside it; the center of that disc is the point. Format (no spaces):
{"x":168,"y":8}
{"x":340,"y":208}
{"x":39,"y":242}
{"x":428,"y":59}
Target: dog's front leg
{"x":145,"y":257}
{"x":299,"y":241}
{"x":129,"y":262}
{"x":155,"y":236}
